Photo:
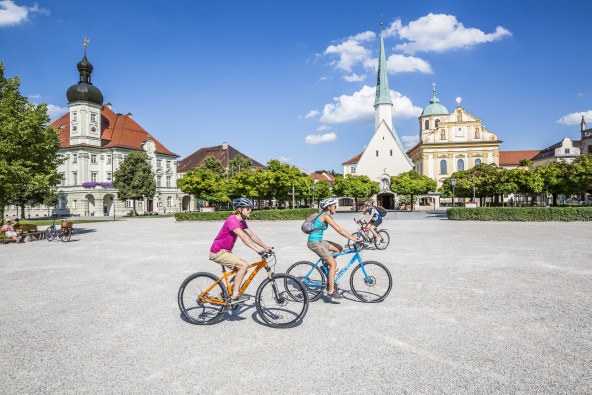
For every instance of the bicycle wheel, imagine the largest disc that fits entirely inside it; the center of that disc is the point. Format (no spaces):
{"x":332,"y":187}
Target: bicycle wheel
{"x":50,"y":233}
{"x":386,"y":239}
{"x":66,"y":235}
{"x":376,"y":287}
{"x":312,"y":277}
{"x":195,"y":309}
{"x":282,"y":301}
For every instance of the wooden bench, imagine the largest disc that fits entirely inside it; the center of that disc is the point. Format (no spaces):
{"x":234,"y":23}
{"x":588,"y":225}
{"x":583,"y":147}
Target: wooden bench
{"x":5,"y":239}
{"x":29,"y":232}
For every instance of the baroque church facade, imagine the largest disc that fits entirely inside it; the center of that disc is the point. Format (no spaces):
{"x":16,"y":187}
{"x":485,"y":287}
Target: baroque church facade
{"x":384,"y":155}
{"x":94,"y":142}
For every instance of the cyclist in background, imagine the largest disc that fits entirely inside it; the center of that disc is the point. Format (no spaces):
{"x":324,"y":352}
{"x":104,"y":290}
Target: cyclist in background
{"x":375,"y":219}
{"x":324,"y":248}
{"x":234,"y":227}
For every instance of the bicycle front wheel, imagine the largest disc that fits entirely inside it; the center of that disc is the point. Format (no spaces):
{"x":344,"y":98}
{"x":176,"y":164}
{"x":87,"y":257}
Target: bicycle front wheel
{"x":312,"y":277}
{"x":50,"y":233}
{"x":282,"y":301}
{"x":374,"y":286}
{"x":386,"y":239}
{"x":202,"y":309}
{"x":66,"y":235}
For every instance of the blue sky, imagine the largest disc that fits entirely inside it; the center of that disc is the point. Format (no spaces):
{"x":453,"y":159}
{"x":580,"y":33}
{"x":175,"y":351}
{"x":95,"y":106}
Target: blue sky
{"x":295,"y":80}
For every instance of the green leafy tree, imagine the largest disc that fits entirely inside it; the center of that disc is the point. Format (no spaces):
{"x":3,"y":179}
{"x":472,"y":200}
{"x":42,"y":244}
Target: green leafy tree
{"x":322,"y":190}
{"x":28,"y":148}
{"x":412,"y":184}
{"x":579,"y":176}
{"x":134,"y":178}
{"x":554,"y":176}
{"x":213,"y":164}
{"x":280,"y":177}
{"x":238,"y":164}
{"x":205,"y":184}
{"x":355,"y":186}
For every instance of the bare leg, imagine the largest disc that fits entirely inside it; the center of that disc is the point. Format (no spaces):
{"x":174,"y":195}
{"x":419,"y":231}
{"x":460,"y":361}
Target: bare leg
{"x":375,"y":233}
{"x":241,"y":270}
{"x":332,"y":264}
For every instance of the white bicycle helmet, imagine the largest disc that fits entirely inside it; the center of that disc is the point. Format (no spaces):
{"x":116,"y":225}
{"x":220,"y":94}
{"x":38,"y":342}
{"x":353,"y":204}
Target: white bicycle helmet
{"x":328,"y":202}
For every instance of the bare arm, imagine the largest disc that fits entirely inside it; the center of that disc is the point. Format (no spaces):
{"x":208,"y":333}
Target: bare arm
{"x":329,"y":220}
{"x":246,"y":239}
{"x":256,"y":239}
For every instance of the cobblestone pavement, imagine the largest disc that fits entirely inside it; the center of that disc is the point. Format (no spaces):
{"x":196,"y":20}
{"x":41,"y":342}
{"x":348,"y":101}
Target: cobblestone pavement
{"x":475,"y":308}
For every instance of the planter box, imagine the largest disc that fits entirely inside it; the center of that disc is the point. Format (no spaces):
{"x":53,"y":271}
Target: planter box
{"x":206,"y":209}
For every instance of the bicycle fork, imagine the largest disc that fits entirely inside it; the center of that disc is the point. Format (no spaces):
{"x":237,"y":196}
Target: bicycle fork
{"x":276,"y":292}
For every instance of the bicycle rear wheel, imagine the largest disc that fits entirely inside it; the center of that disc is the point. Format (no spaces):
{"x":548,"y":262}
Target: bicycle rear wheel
{"x":375,"y":287}
{"x":201,"y":310}
{"x":282,"y":301}
{"x":50,"y":233}
{"x":386,"y":239}
{"x":312,"y":277}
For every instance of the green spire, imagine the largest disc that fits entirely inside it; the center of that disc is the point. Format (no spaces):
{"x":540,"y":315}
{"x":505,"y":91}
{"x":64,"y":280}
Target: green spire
{"x":383,"y":94}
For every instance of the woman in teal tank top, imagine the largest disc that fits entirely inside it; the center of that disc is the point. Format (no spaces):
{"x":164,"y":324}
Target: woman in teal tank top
{"x":325,"y":248}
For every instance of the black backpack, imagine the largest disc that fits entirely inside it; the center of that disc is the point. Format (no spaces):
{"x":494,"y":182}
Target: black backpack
{"x":382,"y":211}
{"x":308,"y":223}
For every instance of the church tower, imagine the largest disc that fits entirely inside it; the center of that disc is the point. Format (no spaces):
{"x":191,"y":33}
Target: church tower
{"x":85,"y":102}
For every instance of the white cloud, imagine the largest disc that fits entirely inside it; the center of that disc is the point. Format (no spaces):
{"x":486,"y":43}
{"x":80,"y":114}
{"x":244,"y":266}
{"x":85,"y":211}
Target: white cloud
{"x":575,"y":118}
{"x":409,"y":141}
{"x":439,"y":33}
{"x":320,"y":138}
{"x":55,"y":111}
{"x":360,"y":106}
{"x":404,"y":64}
{"x":354,"y":77}
{"x":35,"y":96}
{"x":312,"y":114}
{"x":350,"y":52}
{"x":322,"y":128}
{"x":12,"y":14}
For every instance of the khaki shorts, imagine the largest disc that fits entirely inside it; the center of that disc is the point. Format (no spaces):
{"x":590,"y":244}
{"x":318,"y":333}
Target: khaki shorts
{"x":321,"y":248}
{"x":225,"y":258}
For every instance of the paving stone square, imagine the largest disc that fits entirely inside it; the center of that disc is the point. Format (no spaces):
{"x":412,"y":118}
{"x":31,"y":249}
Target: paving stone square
{"x":475,"y":307}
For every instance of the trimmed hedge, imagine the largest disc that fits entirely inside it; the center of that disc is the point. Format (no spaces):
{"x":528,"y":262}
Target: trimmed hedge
{"x":256,"y":215}
{"x":523,"y":214}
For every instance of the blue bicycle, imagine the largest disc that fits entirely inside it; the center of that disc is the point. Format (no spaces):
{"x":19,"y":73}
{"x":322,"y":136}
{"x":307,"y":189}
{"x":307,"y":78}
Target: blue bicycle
{"x":370,"y":281}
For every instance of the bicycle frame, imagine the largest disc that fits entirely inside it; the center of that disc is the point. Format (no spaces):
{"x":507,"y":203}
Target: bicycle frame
{"x":204,"y":297}
{"x":356,"y":258}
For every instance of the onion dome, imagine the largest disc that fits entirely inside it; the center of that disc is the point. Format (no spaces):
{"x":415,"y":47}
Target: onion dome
{"x":84,"y":90}
{"x":435,"y":108}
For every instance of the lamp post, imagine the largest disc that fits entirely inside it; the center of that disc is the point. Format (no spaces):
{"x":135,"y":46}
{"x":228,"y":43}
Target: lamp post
{"x":453,"y":183}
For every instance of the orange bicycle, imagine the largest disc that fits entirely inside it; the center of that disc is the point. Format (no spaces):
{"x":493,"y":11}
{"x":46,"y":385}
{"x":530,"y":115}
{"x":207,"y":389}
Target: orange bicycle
{"x":281,"y":299}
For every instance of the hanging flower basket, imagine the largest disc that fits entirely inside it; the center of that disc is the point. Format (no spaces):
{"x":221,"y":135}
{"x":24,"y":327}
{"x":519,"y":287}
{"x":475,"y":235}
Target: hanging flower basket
{"x":93,"y":184}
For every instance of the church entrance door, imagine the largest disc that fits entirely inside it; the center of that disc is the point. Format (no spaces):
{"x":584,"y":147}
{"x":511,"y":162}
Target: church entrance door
{"x":386,"y":200}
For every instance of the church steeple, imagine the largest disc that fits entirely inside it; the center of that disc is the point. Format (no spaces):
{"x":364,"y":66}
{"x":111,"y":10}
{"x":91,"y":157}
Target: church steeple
{"x":383,"y":94}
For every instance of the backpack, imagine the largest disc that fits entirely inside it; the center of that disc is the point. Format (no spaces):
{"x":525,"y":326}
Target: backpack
{"x":308,"y":223}
{"x":381,"y":210}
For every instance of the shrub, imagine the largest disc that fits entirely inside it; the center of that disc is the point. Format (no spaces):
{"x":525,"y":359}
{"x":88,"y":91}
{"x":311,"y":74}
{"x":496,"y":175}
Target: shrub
{"x":523,"y":214}
{"x":256,"y":215}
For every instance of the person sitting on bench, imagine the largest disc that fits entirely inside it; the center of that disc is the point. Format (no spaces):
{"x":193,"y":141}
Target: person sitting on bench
{"x":9,"y":231}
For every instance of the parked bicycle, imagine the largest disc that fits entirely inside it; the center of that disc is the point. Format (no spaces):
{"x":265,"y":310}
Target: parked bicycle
{"x":370,"y":281}
{"x":64,"y":233}
{"x":365,"y":234}
{"x":281,"y":299}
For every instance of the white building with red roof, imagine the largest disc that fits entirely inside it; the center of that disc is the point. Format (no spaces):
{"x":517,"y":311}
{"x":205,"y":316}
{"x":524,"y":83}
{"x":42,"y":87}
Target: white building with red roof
{"x":94,"y":141}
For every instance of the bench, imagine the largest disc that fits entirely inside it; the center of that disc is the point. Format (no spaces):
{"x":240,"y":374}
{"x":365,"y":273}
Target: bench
{"x":29,"y":232}
{"x":5,"y":239}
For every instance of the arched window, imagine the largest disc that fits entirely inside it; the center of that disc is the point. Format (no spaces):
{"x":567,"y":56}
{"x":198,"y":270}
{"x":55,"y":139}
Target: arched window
{"x":477,"y":162}
{"x":427,"y":124}
{"x":460,"y":165}
{"x":437,"y":122}
{"x":477,"y":134}
{"x":169,"y":201}
{"x":443,"y":169}
{"x":442,"y":135}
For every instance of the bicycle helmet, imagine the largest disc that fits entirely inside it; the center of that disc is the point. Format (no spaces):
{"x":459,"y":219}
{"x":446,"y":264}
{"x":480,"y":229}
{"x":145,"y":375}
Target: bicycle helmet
{"x":242,"y":202}
{"x":328,"y":202}
{"x":368,"y":203}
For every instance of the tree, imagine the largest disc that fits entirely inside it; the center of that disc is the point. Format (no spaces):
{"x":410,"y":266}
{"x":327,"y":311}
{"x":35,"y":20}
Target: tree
{"x":135,"y":179}
{"x":412,"y":184}
{"x":355,"y":186}
{"x":322,"y":190}
{"x":212,"y":163}
{"x":28,"y":148}
{"x":579,"y":175}
{"x":238,"y":164}
{"x":554,"y":177}
{"x":205,"y":184}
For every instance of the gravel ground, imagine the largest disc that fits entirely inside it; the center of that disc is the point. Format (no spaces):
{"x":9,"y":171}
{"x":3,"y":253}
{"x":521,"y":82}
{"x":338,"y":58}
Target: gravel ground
{"x":475,"y":308}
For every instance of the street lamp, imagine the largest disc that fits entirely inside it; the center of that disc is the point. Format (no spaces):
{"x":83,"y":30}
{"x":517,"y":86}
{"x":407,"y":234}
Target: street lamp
{"x":453,"y":183}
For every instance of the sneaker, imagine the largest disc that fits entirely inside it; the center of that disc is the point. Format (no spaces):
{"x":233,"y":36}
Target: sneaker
{"x":239,"y":299}
{"x":334,"y":295}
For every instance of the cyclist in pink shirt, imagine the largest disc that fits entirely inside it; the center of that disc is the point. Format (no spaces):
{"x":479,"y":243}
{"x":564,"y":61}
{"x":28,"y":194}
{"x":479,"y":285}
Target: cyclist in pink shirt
{"x":234,"y":227}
